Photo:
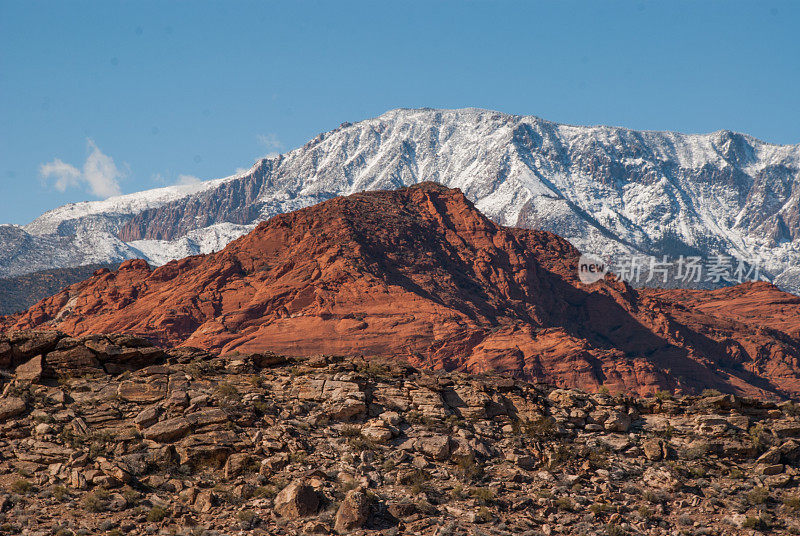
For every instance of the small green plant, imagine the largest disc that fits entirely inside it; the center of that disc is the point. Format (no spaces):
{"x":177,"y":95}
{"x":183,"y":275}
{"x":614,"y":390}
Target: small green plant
{"x":710,"y":392}
{"x":226,"y":391}
{"x":792,"y":503}
{"x":663,"y":395}
{"x":261,"y":407}
{"x":540,"y":428}
{"x":645,"y":512}
{"x":756,"y":523}
{"x":758,"y":496}
{"x":759,"y":437}
{"x":247,"y":518}
{"x":698,"y":471}
{"x":484,"y":496}
{"x":24,"y":473}
{"x":613,"y":529}
{"x":468,"y":469}
{"x":388,"y":465}
{"x":131,"y":497}
{"x":21,"y":486}
{"x":668,"y":432}
{"x":696,"y":451}
{"x":565,"y":504}
{"x":483,"y":515}
{"x":156,"y":514}
{"x":256,"y":381}
{"x":59,"y":492}
{"x":266,"y":492}
{"x":652,"y":497}
{"x":736,"y":473}
{"x":95,"y":501}
{"x":346,"y":486}
{"x":599,"y":508}
{"x":416,"y":481}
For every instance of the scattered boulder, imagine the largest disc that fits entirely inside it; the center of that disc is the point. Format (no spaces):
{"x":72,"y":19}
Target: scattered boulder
{"x":296,"y":500}
{"x":11,"y":407}
{"x":31,"y":371}
{"x":436,"y":447}
{"x":168,"y":431}
{"x":353,"y":511}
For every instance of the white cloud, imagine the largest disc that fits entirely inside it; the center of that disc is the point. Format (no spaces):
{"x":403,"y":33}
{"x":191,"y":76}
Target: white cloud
{"x":99,"y":173}
{"x":67,"y":176}
{"x":272,"y":144}
{"x":270,"y":141}
{"x":187,"y":180}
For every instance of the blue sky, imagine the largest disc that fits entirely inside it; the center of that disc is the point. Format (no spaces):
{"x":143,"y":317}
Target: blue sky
{"x":104,"y":97}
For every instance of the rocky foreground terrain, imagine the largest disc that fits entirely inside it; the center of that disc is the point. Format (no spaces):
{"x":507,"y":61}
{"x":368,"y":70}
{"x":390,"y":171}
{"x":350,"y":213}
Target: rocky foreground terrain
{"x":109,"y":435}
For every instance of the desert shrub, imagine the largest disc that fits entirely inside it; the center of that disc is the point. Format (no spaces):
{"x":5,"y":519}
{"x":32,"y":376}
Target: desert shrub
{"x":761,"y":522}
{"x":540,"y":428}
{"x":668,"y":432}
{"x":468,"y":469}
{"x":483,"y":515}
{"x":758,"y":496}
{"x":599,"y":508}
{"x":792,"y":503}
{"x":156,"y":514}
{"x":96,"y":501}
{"x":21,"y":486}
{"x":759,"y":437}
{"x":247,"y":519}
{"x":484,"y":496}
{"x":59,"y":492}
{"x":736,"y":473}
{"x":226,"y":391}
{"x":565,"y":504}
{"x":267,"y":492}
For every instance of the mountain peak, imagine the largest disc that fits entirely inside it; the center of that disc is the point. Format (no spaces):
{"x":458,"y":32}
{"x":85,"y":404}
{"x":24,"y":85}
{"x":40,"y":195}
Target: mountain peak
{"x":607,"y":190}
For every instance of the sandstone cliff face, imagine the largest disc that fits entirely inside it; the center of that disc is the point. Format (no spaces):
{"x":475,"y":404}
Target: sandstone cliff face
{"x":420,"y":274}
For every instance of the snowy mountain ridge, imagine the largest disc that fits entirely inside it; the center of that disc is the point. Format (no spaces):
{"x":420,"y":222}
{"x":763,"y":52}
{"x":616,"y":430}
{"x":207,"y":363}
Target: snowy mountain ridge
{"x":608,"y":190}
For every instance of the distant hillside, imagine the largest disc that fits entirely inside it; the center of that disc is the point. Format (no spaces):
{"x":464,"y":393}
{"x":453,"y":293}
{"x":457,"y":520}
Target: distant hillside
{"x":19,"y":293}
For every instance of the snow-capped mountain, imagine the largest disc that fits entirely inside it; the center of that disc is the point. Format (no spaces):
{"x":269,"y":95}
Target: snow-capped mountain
{"x":608,"y":190}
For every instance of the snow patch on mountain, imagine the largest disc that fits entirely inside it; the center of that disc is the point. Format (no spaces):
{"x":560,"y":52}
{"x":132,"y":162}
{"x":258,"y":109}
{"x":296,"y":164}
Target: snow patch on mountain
{"x":200,"y":241}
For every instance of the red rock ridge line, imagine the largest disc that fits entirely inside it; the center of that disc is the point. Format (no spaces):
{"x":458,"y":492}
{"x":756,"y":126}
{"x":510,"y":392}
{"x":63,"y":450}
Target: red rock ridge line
{"x":420,"y":274}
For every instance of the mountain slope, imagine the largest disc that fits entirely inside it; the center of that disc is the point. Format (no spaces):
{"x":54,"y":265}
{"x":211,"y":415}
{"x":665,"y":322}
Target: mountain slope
{"x":421,"y":274}
{"x":22,"y":291}
{"x":607,"y":190}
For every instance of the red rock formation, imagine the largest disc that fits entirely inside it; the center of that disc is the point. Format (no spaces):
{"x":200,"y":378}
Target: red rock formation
{"x":420,"y":274}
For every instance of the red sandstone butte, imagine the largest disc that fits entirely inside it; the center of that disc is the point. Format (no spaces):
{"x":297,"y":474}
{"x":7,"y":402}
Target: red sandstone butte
{"x":420,"y":274}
